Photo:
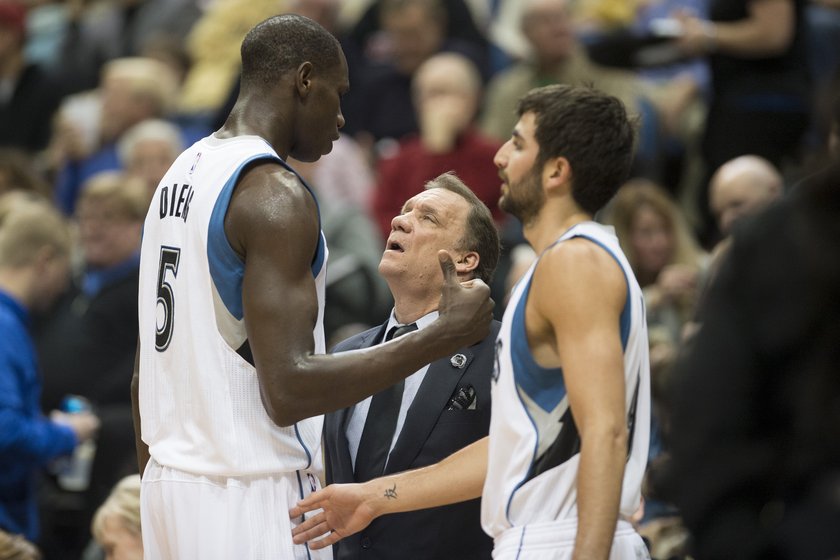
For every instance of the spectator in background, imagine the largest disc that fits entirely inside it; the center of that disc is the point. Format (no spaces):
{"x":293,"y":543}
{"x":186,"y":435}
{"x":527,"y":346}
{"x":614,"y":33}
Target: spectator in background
{"x":462,"y":27}
{"x":91,"y":333}
{"x":558,"y":57}
{"x":743,"y":186}
{"x":147,"y":149}
{"x":116,"y":524}
{"x":761,"y":94}
{"x":34,"y":265}
{"x":80,"y":37}
{"x":28,"y":97}
{"x":447,"y":93}
{"x":131,"y":91}
{"x":755,"y":422}
{"x":665,"y":257}
{"x":740,"y":188}
{"x":380,"y":102}
{"x":86,"y":345}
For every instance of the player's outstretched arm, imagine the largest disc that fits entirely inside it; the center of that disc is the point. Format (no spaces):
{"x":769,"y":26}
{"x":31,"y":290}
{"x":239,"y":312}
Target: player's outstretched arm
{"x":349,"y":508}
{"x":272,"y":223}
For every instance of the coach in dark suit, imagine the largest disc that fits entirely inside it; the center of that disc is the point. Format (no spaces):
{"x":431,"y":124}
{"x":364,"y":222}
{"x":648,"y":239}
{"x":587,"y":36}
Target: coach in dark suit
{"x":439,"y":409}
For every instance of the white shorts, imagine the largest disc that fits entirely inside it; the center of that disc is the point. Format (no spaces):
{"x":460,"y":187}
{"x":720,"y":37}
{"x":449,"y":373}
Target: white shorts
{"x":555,"y":540}
{"x":186,"y":516}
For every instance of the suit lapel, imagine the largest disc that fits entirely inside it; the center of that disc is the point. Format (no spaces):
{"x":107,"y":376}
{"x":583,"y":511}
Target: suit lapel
{"x":432,"y":398}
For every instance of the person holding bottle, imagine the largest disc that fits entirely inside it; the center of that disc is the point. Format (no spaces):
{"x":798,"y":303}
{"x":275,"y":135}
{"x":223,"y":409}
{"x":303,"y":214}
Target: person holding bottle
{"x":34,"y":266}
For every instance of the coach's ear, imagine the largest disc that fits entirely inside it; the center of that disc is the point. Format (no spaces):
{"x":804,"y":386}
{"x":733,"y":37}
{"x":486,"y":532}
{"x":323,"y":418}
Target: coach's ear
{"x":557,"y":175}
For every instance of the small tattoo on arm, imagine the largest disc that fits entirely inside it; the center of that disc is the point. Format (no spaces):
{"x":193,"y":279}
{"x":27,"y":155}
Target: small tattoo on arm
{"x":391,"y":493}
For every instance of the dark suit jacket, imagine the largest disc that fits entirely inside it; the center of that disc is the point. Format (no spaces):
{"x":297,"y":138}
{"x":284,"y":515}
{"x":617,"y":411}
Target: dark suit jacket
{"x":430,"y":433}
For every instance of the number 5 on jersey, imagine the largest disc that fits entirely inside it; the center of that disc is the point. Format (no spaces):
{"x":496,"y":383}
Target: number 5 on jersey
{"x":165,"y":315}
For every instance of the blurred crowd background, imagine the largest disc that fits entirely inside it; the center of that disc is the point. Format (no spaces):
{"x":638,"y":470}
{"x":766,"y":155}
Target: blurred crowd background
{"x":736,"y":102}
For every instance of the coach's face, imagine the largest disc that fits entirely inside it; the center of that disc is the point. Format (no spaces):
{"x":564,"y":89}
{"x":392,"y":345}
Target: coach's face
{"x":320,"y":117}
{"x":522,"y":194}
{"x":432,"y":220}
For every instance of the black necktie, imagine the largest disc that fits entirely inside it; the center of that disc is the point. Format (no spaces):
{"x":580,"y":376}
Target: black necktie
{"x":380,"y":423}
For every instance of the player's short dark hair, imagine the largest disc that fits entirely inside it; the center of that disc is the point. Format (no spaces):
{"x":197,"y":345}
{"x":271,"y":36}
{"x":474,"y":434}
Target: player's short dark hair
{"x":281,"y":44}
{"x":480,"y":233}
{"x":591,"y":130}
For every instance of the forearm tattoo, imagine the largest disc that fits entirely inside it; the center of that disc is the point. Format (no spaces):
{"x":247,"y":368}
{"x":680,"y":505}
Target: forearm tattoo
{"x":391,"y":493}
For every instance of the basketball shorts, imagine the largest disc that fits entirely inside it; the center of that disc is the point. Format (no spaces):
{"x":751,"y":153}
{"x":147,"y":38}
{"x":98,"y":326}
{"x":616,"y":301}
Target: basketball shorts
{"x":555,"y":540}
{"x":185,"y":516}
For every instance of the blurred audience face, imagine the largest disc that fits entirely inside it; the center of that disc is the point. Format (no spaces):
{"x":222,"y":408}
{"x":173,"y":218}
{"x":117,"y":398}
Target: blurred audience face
{"x":35,"y":244}
{"x":742,"y":186}
{"x":107,"y":237}
{"x":118,"y":541}
{"x":325,"y":12}
{"x":133,"y":90}
{"x":416,"y":32}
{"x":150,"y":160}
{"x":446,"y":92}
{"x":122,"y":107}
{"x":652,"y":240}
{"x":110,"y":215}
{"x":450,"y":81}
{"x":547,"y":25}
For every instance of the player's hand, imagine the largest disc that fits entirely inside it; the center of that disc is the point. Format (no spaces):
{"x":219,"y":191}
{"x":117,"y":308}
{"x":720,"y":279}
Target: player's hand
{"x":466,"y":309}
{"x":345,"y":512}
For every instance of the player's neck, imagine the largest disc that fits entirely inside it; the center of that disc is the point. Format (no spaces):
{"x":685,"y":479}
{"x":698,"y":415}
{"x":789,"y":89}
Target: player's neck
{"x":551,"y":224}
{"x":251,"y":116}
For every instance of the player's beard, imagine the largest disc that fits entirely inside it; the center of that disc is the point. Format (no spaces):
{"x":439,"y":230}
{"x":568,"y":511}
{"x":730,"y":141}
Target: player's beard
{"x":524,"y":198}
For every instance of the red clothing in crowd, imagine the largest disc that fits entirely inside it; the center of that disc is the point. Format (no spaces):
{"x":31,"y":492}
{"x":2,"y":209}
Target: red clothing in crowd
{"x":402,"y":176}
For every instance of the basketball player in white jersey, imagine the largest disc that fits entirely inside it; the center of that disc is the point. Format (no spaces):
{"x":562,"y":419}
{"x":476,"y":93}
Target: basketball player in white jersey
{"x":231,"y":379}
{"x":561,"y":471}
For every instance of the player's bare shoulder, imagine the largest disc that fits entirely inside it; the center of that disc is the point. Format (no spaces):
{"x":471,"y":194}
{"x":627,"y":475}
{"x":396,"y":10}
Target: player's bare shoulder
{"x":269,"y":198}
{"x":578,"y":267}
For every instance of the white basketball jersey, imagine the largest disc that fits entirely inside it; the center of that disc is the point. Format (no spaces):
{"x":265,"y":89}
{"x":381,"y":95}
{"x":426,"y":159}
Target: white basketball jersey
{"x":534,"y":443}
{"x":200,"y":404}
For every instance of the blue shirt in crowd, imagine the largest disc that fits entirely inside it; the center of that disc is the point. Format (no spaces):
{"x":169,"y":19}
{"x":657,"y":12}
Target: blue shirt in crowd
{"x":28,"y":440}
